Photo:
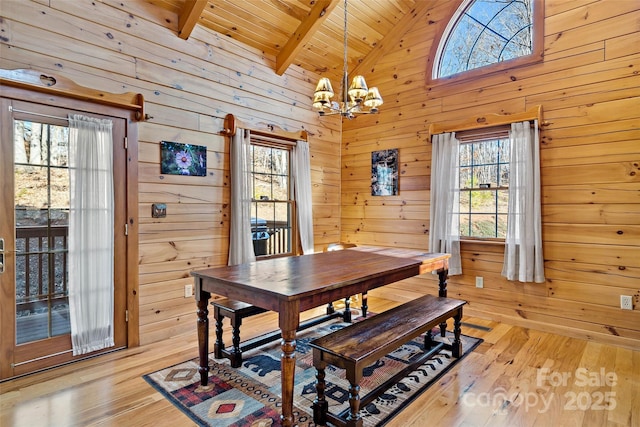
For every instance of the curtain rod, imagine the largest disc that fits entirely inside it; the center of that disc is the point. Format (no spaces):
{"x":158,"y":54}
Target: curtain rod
{"x":15,"y":110}
{"x":264,"y":138}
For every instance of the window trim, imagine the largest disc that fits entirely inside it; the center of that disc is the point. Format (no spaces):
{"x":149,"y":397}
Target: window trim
{"x":446,"y":26}
{"x":281,"y":143}
{"x":474,"y":137}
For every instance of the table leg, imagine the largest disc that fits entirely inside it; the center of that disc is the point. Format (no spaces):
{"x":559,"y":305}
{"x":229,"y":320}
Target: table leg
{"x":442,"y":292}
{"x":442,"y":282}
{"x":288,"y":366}
{"x":202,"y":302}
{"x":289,"y":320}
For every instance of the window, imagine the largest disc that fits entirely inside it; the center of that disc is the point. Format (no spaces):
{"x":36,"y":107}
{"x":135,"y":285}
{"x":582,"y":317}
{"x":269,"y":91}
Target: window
{"x":272,"y":204}
{"x":484,"y":188}
{"x":42,"y":193}
{"x":465,"y":167}
{"x":487,"y":32}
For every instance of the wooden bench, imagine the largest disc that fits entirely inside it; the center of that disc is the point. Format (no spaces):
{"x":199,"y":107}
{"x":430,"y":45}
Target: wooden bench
{"x":235,"y":311}
{"x":359,"y":345}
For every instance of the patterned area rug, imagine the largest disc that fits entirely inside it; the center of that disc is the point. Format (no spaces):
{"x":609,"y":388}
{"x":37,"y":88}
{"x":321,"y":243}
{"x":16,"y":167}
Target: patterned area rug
{"x":250,"y":395}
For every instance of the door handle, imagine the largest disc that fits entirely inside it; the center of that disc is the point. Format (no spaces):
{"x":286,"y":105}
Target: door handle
{"x":1,"y":255}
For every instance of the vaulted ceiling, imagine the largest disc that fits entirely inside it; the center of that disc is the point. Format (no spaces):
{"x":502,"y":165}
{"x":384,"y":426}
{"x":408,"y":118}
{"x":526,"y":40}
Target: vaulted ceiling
{"x":308,"y":33}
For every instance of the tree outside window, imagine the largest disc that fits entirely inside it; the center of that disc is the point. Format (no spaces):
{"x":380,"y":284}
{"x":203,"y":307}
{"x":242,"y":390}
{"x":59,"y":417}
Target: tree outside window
{"x":484,"y":188}
{"x":485,"y":32}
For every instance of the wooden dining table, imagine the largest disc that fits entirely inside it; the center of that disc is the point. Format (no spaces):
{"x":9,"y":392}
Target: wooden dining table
{"x":292,"y":285}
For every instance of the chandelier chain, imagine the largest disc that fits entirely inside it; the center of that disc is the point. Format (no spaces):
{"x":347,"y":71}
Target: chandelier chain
{"x":345,"y":78}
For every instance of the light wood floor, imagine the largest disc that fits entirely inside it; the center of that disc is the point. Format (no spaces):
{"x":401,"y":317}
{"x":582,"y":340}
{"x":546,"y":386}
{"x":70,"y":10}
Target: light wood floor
{"x":517,"y":377}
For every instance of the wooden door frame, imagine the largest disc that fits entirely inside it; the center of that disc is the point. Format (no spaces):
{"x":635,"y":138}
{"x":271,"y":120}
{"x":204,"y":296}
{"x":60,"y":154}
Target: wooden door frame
{"x":131,"y":132}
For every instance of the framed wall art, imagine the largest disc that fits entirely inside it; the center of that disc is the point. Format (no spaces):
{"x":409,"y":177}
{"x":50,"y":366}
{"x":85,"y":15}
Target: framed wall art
{"x":384,"y":172}
{"x":183,"y":159}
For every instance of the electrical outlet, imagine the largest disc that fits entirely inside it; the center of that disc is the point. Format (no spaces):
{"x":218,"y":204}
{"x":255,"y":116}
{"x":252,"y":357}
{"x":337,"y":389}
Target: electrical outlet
{"x":479,"y":282}
{"x":626,"y":302}
{"x":188,"y":291}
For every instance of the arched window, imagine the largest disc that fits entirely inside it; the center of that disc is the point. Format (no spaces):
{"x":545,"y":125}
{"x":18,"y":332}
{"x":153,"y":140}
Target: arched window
{"x":486,"y":32}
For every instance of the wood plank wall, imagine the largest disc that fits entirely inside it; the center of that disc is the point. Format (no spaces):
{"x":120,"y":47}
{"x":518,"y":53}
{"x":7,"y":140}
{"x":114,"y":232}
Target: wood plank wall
{"x":189,"y":87}
{"x":589,"y":87}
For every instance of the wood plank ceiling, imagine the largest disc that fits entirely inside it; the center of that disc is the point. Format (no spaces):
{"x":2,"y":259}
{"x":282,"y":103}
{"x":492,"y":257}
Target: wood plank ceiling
{"x":308,"y":33}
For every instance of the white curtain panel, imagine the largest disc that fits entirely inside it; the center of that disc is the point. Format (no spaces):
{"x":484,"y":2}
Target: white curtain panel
{"x":91,"y":242}
{"x":444,"y":231}
{"x":240,"y":241}
{"x":523,"y":259}
{"x":302,"y":189}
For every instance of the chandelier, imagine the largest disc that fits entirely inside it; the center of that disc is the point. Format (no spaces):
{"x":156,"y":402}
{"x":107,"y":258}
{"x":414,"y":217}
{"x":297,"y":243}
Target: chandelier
{"x":357,"y":98}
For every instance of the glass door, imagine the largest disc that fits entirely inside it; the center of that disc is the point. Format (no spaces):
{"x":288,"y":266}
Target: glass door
{"x":34,"y":207}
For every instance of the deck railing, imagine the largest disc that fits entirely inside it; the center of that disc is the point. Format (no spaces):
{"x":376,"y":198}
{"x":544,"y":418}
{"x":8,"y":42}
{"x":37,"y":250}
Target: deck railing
{"x":41,"y":265}
{"x":280,"y":237}
{"x":41,"y":260}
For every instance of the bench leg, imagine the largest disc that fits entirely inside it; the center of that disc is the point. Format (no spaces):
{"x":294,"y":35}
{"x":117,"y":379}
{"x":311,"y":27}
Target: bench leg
{"x":330,"y":309}
{"x":347,"y":310}
{"x":456,"y":346}
{"x":442,"y":292}
{"x":219,"y":344}
{"x":320,"y":404}
{"x":236,"y":355}
{"x":365,"y":307}
{"x":428,"y":341}
{"x":353,"y":418}
{"x":443,"y":329}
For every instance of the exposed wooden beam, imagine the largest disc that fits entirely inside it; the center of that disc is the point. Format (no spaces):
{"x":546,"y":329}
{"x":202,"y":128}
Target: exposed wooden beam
{"x":318,"y":13}
{"x":189,"y":17}
{"x":393,"y":37}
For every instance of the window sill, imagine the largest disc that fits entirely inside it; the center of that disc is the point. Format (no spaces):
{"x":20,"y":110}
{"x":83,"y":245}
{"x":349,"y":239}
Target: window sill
{"x":491,"y":242}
